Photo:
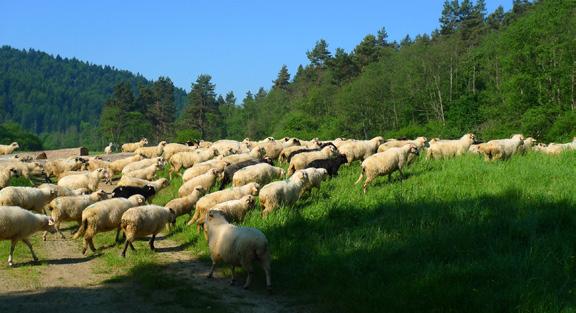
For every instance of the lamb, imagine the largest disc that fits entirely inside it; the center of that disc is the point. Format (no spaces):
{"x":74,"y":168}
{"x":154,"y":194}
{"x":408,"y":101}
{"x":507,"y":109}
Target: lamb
{"x":237,"y":246}
{"x":393,"y":143}
{"x":28,"y":198}
{"x":386,"y":163}
{"x":235,"y":210}
{"x":6,"y":174}
{"x":152,"y":152}
{"x":301,"y":160}
{"x":449,"y":148}
{"x":201,"y":168}
{"x":207,"y":181}
{"x":147,"y":173}
{"x":145,"y":220}
{"x":230,"y":170}
{"x":188,"y":159}
{"x":158,"y":184}
{"x":131,"y":147}
{"x":331,"y":165}
{"x":184,"y":205}
{"x":208,"y":201}
{"x":69,"y":208}
{"x":108,"y":149}
{"x":89,"y":180}
{"x":173,"y":148}
{"x":361,"y":149}
{"x":285,"y":192}
{"x":19,"y":224}
{"x":118,"y":165}
{"x":502,"y":149}
{"x":7,"y":149}
{"x":104,"y":216}
{"x":138,"y":165}
{"x":315,"y":177}
{"x":262,"y":174}
{"x":56,"y":167}
{"x":128,"y":191}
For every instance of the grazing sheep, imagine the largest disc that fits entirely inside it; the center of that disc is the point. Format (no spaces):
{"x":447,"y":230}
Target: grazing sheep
{"x":18,"y":224}
{"x":128,"y":191}
{"x":146,"y":173}
{"x":361,"y":149}
{"x":173,"y":148}
{"x":262,"y":174}
{"x":272,"y":148}
{"x":61,"y":191}
{"x":204,"y":144}
{"x":256,"y":153}
{"x":285,"y":192}
{"x":283,"y":157}
{"x":6,"y":174}
{"x":28,"y":198}
{"x":138,"y":165}
{"x":108,"y":149}
{"x":56,"y":167}
{"x":118,"y":165}
{"x":131,"y":147}
{"x":145,"y":220}
{"x":201,"y":168}
{"x":89,"y":180}
{"x":502,"y":149}
{"x":69,"y":208}
{"x":301,"y":160}
{"x":207,"y":181}
{"x":551,"y":149}
{"x":152,"y":152}
{"x":7,"y":149}
{"x":386,"y":163}
{"x":237,"y":246}
{"x":331,"y":165}
{"x":30,"y":171}
{"x":208,"y":201}
{"x":104,"y":216}
{"x":315,"y":177}
{"x":96,"y":163}
{"x":231,"y":169}
{"x":224,"y":146}
{"x":474,"y":149}
{"x":235,"y":210}
{"x":188,"y":159}
{"x":137,"y":182}
{"x":419,"y":142}
{"x":185,"y":204}
{"x":449,"y":148}
{"x":527,"y":145}
{"x":319,"y":147}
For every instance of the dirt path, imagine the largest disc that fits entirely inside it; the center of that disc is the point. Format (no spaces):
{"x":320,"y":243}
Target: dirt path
{"x":65,"y":280}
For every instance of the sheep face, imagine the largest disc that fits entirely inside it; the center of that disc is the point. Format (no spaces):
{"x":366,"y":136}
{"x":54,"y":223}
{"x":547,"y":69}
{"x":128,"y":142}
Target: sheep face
{"x":518,"y":137}
{"x":162,"y":143}
{"x":414,"y":150}
{"x":144,"y":141}
{"x":14,"y":172}
{"x":163,"y":182}
{"x":102,"y":195}
{"x":172,"y":219}
{"x":200,"y":189}
{"x":254,"y":189}
{"x":14,"y":145}
{"x":215,"y":216}
{"x":50,"y":227}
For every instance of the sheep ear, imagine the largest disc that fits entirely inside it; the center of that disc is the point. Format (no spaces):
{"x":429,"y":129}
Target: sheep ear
{"x":172,"y":211}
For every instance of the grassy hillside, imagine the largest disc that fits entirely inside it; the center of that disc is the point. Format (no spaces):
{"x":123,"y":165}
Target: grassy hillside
{"x":458,"y":235}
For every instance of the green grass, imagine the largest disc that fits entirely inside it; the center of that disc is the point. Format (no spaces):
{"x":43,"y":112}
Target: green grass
{"x":457,"y":235}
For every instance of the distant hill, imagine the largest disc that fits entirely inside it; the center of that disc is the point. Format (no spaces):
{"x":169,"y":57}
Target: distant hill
{"x":51,"y":96}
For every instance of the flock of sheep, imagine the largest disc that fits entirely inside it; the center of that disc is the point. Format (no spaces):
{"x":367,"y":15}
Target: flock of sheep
{"x":247,"y":165}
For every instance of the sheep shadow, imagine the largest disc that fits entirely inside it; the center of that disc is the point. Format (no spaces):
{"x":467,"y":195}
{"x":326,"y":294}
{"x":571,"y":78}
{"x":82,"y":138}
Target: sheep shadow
{"x":64,"y":261}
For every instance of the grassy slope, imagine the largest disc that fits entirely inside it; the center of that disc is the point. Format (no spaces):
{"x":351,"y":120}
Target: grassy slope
{"x":457,"y":235}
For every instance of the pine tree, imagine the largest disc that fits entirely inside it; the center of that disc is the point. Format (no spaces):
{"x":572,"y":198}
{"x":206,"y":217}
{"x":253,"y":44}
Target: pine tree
{"x":343,"y":67}
{"x":320,"y":54}
{"x":449,"y":17}
{"x":283,"y":79}
{"x":163,"y":109}
{"x":201,"y":103}
{"x":367,"y":51}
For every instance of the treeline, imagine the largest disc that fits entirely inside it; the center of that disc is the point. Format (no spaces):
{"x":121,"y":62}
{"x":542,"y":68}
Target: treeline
{"x":494,"y":74}
{"x":57,"y":98}
{"x":12,"y":132}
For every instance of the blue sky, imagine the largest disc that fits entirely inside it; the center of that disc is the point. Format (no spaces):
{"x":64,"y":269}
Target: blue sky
{"x":242,"y":44}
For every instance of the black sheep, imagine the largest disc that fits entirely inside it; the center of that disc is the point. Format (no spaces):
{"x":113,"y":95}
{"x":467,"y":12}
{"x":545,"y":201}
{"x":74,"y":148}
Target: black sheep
{"x":331,"y":165}
{"x":128,"y":191}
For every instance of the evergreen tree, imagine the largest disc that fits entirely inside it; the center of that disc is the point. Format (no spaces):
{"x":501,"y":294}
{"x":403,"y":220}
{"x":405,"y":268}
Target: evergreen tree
{"x":320,"y":54}
{"x":163,"y":110}
{"x":201,"y":104}
{"x":283,"y":79}
{"x":367,"y":51}
{"x":449,"y":18}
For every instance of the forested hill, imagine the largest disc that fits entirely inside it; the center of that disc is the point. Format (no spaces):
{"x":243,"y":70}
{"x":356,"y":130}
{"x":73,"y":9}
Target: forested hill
{"x":56,"y":97}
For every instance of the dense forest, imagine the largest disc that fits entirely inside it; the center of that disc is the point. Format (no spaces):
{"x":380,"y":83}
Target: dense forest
{"x":492,"y":73}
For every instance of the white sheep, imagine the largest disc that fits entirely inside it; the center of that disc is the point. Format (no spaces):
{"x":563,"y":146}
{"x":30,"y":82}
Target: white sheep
{"x":237,"y":246}
{"x":61,"y":191}
{"x":208,"y":201}
{"x":145,"y":220}
{"x":7,"y":149}
{"x":235,"y":210}
{"x":108,"y":149}
{"x":361,"y":149}
{"x":104,"y":216}
{"x":502,"y":149}
{"x":173,"y":148}
{"x":449,"y":148}
{"x":185,"y":205}
{"x":18,"y":224}
{"x":28,"y":198}
{"x":117,"y":166}
{"x":386,"y":163}
{"x":301,"y":160}
{"x":285,"y":192}
{"x":28,"y":170}
{"x":69,"y":208}
{"x":272,"y":148}
{"x":201,"y":168}
{"x":261,"y":173}
{"x":315,"y":176}
{"x":419,"y":142}
{"x":224,"y":146}
{"x":89,"y":180}
{"x":55,"y":167}
{"x":152,"y":152}
{"x":188,"y":159}
{"x":96,"y":163}
{"x":138,"y":165}
{"x":131,"y":147}
{"x":206,"y":180}
{"x":137,"y":182}
{"x":256,"y":153}
{"x":7,"y":173}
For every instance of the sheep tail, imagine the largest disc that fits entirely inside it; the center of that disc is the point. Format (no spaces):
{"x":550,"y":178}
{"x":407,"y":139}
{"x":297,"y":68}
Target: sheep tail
{"x":361,"y":175}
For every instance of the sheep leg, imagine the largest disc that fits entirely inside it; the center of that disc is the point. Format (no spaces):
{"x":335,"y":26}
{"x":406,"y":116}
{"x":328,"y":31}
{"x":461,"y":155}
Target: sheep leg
{"x":117,"y":235}
{"x":247,"y":265}
{"x":132,"y":247}
{"x":265,"y":262}
{"x":368,"y":180}
{"x":401,"y":174}
{"x":31,"y":250}
{"x":126,"y":244}
{"x":57,"y":226}
{"x":10,"y":256}
{"x":151,"y":242}
{"x":211,"y":274}
{"x":233,"y":281}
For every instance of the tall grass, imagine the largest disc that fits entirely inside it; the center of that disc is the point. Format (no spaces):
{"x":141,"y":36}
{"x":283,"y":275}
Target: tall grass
{"x":457,"y":235}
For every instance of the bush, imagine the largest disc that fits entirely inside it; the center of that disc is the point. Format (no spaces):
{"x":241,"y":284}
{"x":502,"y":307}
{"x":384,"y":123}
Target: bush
{"x":563,"y":129}
{"x":10,"y":132}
